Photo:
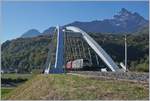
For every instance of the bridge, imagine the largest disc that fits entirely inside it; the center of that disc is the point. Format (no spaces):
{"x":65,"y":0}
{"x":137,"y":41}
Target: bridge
{"x":69,"y":44}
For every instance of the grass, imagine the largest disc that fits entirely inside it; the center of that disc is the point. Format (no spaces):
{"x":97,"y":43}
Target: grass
{"x":71,"y":87}
{"x":16,"y":76}
{"x":5,"y":91}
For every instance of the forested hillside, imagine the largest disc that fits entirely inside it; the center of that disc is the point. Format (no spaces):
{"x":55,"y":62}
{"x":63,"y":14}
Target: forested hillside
{"x":26,"y":54}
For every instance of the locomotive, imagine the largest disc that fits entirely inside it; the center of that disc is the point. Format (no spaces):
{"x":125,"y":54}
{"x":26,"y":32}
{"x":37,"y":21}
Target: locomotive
{"x":78,"y":64}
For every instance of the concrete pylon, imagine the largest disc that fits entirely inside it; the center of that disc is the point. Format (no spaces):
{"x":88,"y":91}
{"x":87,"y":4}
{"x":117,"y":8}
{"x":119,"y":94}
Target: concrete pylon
{"x":59,"y":57}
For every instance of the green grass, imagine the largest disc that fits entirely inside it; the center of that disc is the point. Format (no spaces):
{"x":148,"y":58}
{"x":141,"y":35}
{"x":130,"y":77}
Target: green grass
{"x":15,"y":76}
{"x":5,"y":91}
{"x":69,"y":87}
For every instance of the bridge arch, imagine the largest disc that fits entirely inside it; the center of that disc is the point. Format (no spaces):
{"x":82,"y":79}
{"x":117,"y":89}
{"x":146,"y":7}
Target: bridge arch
{"x":97,"y":48}
{"x":59,"y":59}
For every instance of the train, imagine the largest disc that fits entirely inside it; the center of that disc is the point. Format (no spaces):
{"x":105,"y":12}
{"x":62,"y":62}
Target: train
{"x":78,"y":64}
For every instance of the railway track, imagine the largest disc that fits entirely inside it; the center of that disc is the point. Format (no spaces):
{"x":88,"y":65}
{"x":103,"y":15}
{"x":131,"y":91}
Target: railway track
{"x":124,"y":76}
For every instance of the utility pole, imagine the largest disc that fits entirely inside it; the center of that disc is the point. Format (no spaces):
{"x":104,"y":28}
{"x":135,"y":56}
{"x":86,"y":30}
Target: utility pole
{"x":83,"y":50}
{"x":126,"y":52}
{"x":97,"y":60}
{"x":90,"y":56}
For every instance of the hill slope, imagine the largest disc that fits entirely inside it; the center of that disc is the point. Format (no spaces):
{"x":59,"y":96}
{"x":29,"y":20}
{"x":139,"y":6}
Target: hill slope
{"x":26,"y":54}
{"x":68,"y":87}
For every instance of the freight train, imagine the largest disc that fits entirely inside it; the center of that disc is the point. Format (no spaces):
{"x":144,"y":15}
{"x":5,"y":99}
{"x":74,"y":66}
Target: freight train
{"x":78,"y":64}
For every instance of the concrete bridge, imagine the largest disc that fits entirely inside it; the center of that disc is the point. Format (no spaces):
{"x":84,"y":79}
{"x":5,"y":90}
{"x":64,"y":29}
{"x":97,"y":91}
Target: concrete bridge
{"x":56,"y":56}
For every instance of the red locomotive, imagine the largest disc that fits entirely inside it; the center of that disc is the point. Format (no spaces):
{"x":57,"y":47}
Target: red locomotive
{"x":77,"y":64}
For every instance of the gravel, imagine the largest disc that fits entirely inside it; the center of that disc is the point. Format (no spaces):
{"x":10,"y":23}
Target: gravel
{"x":131,"y":76}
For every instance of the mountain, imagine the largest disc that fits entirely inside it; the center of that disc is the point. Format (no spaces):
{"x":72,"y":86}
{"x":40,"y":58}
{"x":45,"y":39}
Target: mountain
{"x":143,"y":30}
{"x":31,"y":33}
{"x":49,"y":30}
{"x":123,"y":22}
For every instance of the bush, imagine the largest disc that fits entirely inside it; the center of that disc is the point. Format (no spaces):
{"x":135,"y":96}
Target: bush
{"x":143,"y":67}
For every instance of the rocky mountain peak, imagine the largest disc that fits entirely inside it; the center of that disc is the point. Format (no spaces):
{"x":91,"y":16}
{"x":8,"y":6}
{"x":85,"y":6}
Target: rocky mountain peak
{"x":124,"y":21}
{"x":124,"y":12}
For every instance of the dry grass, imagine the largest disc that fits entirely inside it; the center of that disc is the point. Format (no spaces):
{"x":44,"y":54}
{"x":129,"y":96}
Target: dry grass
{"x":68,"y":87}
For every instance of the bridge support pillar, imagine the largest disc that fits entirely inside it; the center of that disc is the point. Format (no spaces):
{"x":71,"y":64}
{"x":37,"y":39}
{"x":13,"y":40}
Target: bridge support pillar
{"x":59,"y":59}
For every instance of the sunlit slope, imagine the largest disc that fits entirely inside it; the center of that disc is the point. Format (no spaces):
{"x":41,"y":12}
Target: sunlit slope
{"x":61,"y":86}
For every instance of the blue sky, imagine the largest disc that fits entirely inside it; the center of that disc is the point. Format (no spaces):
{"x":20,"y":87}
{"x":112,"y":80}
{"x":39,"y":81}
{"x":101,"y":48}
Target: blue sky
{"x":18,"y":17}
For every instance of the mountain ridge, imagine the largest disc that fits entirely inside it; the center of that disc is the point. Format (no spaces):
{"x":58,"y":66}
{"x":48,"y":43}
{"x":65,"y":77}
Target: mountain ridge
{"x":123,"y":22}
{"x":31,"y":33}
